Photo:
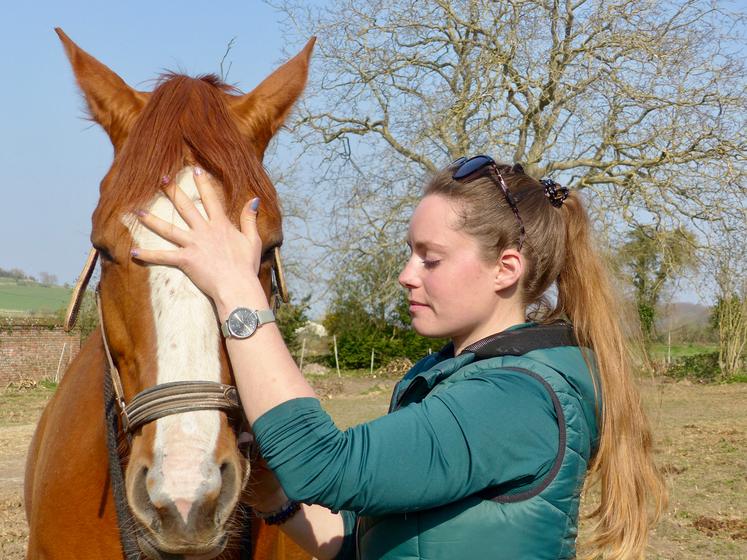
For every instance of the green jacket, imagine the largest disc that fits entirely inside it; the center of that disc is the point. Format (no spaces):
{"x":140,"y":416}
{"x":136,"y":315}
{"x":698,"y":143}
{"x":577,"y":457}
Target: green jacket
{"x":483,"y":455}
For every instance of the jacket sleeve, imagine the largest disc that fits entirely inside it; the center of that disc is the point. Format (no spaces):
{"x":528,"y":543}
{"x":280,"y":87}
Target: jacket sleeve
{"x":489,"y":429}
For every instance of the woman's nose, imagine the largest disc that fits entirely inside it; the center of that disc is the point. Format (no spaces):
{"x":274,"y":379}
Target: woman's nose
{"x":408,"y":278}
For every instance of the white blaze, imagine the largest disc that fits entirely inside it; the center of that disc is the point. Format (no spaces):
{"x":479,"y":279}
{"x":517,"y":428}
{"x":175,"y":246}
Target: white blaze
{"x":187,"y":342}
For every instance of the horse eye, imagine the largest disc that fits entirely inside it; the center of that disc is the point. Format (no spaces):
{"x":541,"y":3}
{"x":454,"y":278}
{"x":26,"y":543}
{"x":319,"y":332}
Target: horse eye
{"x":104,"y":253}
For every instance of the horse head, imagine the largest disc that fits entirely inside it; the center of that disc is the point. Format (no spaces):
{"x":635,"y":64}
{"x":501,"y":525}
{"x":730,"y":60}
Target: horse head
{"x":184,"y":471}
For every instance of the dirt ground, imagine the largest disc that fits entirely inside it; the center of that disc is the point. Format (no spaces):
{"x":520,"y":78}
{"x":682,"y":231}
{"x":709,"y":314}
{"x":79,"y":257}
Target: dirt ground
{"x":701,"y":440}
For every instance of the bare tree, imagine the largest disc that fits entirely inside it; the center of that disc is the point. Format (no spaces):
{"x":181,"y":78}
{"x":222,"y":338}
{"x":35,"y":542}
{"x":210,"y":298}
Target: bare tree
{"x":729,"y":264}
{"x":47,"y":279}
{"x":653,"y":257}
{"x":640,"y":103}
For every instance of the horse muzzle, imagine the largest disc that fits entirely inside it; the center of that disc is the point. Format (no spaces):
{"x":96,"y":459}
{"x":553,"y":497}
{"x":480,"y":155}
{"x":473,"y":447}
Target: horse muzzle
{"x":154,"y":551}
{"x":183,"y":498}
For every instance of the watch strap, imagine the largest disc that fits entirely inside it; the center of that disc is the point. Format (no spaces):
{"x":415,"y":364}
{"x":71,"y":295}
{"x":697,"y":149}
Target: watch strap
{"x":265,"y":316}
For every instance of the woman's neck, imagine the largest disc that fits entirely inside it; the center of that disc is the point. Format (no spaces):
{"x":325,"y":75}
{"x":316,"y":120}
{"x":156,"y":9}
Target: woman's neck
{"x":506,"y":320}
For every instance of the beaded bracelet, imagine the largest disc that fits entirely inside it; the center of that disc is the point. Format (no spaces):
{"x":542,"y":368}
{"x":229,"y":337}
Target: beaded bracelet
{"x":289,"y":509}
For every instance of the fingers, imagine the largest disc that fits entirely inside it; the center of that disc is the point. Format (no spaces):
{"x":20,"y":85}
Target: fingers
{"x":210,"y":199}
{"x":248,"y":220}
{"x":167,"y":230}
{"x":167,"y":258}
{"x":184,"y":205}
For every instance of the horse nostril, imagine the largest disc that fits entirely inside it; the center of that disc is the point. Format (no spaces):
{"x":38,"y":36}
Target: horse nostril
{"x":140,"y":498}
{"x":141,"y":485}
{"x":227,"y":472}
{"x":229,"y":489}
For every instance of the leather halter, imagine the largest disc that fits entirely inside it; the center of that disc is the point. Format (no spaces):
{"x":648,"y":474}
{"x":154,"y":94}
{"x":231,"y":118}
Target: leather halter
{"x":167,"y":398}
{"x":71,"y":315}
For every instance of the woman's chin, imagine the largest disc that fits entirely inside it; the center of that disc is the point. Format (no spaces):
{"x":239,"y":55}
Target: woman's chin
{"x":427,"y":330}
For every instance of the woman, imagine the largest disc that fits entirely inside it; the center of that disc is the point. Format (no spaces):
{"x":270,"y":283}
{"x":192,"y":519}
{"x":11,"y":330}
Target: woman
{"x":486,"y":448}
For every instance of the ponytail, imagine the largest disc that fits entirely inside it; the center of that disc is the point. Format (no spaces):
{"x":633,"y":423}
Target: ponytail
{"x":623,"y":463}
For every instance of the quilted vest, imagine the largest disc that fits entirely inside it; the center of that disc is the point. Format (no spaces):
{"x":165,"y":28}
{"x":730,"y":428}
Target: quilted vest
{"x":538,"y":520}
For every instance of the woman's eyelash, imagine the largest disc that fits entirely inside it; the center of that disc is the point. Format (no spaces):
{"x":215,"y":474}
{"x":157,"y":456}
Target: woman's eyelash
{"x":430,"y":264}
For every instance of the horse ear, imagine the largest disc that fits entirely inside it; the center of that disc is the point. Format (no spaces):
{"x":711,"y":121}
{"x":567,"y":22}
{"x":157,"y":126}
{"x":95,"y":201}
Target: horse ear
{"x":264,"y":109}
{"x":111,"y":102}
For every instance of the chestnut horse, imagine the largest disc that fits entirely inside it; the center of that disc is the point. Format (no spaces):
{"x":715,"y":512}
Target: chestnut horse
{"x":183,"y":472}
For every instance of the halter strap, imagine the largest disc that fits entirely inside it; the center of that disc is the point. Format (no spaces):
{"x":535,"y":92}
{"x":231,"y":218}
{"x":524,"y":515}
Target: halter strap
{"x":71,"y":315}
{"x":279,"y":288}
{"x":179,"y":396}
{"x":113,"y":371}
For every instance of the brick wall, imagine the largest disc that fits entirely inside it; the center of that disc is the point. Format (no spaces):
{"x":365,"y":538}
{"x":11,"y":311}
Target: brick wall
{"x":35,"y":352}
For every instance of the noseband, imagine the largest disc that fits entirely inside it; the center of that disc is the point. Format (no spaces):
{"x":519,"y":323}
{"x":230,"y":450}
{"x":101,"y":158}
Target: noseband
{"x":167,"y":398}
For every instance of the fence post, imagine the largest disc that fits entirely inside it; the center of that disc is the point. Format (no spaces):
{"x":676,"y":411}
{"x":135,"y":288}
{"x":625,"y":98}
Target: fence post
{"x":372,"y":360}
{"x":303,"y":351}
{"x":337,"y":362}
{"x":669,"y":348}
{"x":59,"y":363}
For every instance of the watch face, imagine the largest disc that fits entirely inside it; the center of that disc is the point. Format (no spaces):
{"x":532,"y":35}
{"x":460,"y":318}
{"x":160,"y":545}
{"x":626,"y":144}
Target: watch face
{"x":242,"y":322}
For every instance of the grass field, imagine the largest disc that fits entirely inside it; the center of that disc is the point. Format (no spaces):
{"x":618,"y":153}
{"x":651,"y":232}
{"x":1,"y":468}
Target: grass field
{"x":24,"y":297}
{"x":701,"y":443}
{"x":659,"y":350}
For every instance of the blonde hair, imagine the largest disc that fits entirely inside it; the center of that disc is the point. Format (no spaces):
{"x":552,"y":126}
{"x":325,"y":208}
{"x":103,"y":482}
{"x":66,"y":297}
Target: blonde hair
{"x":558,"y":250}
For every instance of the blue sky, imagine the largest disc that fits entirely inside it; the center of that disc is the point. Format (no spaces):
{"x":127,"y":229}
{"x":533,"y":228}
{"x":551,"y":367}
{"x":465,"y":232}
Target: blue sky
{"x":53,"y":159}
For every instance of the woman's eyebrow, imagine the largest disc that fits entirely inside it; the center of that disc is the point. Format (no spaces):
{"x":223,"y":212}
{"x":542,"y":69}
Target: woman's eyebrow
{"x":426,"y":245}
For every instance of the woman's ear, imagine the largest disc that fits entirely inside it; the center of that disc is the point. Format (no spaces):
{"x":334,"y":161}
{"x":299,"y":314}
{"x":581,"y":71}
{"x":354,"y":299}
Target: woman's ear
{"x":508,"y":269}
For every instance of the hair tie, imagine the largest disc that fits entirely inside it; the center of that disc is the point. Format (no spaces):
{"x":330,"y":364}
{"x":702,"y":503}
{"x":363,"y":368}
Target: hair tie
{"x":555,"y":192}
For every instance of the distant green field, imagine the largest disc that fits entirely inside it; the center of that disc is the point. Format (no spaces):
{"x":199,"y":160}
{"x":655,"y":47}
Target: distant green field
{"x":23,"y":297}
{"x":681,"y":350}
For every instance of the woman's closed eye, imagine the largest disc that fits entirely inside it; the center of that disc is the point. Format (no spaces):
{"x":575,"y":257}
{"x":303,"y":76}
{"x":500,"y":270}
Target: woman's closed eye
{"x":430,"y":263}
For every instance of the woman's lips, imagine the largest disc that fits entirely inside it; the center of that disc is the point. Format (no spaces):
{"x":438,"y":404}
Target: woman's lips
{"x":416,"y":305}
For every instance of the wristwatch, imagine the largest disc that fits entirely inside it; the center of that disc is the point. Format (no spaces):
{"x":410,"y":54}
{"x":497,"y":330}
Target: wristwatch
{"x":242,"y":322}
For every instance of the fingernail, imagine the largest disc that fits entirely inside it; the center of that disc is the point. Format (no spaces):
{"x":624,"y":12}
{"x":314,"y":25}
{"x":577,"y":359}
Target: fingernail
{"x":199,"y":170}
{"x":140,"y":213}
{"x":254,"y":205}
{"x":165,"y":180}
{"x":133,"y":252}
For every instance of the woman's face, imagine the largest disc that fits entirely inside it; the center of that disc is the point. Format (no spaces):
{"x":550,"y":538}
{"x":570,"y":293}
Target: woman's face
{"x":452,"y":290}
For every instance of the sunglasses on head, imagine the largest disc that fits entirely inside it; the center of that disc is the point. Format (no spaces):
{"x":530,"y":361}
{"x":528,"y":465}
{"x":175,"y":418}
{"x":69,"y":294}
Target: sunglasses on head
{"x":463,"y":168}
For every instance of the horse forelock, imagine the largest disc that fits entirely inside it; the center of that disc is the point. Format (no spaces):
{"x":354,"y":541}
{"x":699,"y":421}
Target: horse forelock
{"x":186,"y":121}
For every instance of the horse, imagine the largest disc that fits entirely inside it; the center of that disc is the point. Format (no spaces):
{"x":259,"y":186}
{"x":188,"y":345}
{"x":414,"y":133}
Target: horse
{"x":137,"y":453}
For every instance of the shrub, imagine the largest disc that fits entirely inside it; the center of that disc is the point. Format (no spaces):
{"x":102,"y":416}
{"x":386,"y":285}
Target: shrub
{"x":289,"y":318}
{"x":358,"y":332}
{"x":700,"y":367}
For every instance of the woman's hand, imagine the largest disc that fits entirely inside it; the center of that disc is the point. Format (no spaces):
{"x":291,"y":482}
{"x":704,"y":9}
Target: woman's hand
{"x":215,"y":255}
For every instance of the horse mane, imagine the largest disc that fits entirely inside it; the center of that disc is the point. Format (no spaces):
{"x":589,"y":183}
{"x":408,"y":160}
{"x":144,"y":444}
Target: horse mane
{"x":186,"y":121}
